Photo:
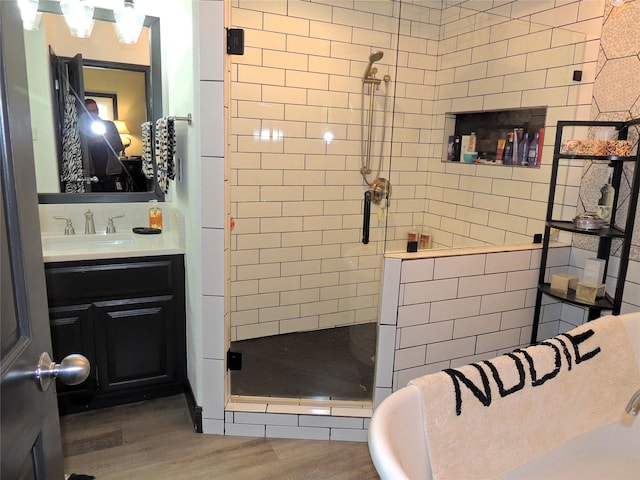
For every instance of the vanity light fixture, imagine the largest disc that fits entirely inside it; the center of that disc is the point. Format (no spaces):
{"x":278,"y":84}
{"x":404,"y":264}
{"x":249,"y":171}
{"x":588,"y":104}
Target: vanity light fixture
{"x":129,"y":20}
{"x":79,"y":16}
{"x":31,"y":18}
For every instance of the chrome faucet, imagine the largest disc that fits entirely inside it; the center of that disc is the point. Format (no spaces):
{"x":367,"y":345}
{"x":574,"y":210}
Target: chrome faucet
{"x":89,"y":226}
{"x":111,"y":228}
{"x":634,"y":404}
{"x":68,"y":228}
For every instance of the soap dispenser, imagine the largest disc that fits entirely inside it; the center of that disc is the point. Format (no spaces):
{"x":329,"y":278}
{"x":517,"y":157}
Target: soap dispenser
{"x":155,"y":215}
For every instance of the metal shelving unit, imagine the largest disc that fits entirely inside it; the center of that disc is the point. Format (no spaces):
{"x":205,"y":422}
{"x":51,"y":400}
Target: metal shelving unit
{"x":604,"y":235}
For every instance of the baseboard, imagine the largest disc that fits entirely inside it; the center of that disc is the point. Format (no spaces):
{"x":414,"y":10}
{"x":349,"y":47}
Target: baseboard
{"x":194,"y":409}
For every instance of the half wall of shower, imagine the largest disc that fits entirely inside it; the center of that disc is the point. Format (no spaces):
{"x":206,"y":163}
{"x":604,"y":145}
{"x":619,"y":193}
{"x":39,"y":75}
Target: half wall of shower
{"x":298,"y":262}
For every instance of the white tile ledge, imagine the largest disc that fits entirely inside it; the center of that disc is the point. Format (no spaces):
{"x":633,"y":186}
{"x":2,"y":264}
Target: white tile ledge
{"x":456,"y":252}
{"x":334,"y":408}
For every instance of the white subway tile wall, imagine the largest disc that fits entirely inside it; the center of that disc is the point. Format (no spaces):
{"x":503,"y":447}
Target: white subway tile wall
{"x":296,"y":191}
{"x":414,"y":338}
{"x":477,"y":312}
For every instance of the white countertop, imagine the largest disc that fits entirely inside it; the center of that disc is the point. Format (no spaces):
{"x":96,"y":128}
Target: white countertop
{"x":57,"y":247}
{"x":65,"y":248}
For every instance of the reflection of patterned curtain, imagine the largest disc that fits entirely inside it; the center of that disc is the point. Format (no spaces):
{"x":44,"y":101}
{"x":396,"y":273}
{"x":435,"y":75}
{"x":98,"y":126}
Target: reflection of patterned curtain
{"x":165,"y":151}
{"x":73,"y":174}
{"x":147,"y":160}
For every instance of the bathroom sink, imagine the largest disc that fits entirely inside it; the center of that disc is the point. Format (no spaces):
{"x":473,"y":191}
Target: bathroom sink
{"x":77,"y":242}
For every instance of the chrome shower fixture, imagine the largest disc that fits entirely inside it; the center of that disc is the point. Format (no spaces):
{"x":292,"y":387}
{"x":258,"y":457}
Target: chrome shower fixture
{"x":380,"y":189}
{"x":369,"y":72}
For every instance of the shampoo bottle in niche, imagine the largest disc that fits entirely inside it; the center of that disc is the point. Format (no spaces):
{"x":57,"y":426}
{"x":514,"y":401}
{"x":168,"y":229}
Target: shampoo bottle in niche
{"x":523,"y":150}
{"x":534,"y":148}
{"x":605,"y":204}
{"x":472,"y":143}
{"x":507,"y":156}
{"x":155,"y":215}
{"x":425,"y":239}
{"x":500,"y":149}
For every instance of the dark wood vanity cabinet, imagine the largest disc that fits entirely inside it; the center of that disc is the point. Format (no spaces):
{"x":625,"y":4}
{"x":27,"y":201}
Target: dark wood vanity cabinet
{"x":127,"y":316}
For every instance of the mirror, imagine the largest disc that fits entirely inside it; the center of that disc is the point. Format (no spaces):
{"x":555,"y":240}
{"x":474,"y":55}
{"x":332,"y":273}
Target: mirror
{"x":125,"y":82}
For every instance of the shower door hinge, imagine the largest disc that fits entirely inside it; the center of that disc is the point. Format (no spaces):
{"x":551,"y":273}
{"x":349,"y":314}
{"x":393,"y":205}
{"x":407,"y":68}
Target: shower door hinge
{"x":234,"y":360}
{"x":235,"y":41}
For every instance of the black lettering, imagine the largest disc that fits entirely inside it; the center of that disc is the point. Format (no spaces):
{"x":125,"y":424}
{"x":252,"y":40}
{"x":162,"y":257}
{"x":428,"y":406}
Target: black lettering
{"x":566,"y":352}
{"x":496,"y":376}
{"x":576,"y":340}
{"x":535,"y":379}
{"x":457,"y":377}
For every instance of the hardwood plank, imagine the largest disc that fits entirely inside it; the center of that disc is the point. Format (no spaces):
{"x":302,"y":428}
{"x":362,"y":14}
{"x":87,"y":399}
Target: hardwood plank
{"x":155,"y":440}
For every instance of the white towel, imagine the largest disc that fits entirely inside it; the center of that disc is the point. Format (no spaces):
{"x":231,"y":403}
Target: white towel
{"x":484,"y":419}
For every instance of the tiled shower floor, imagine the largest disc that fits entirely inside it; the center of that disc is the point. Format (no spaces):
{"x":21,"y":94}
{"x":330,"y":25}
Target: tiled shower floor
{"x":331,"y":364}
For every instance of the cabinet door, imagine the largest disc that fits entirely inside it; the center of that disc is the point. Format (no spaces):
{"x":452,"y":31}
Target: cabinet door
{"x":136,"y":343}
{"x":72,"y":332}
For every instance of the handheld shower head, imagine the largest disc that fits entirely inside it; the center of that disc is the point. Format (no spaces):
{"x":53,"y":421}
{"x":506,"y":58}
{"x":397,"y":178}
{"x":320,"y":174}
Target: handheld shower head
{"x":374,"y":57}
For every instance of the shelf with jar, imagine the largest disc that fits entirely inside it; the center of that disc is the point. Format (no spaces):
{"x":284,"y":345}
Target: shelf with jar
{"x":600,"y":221}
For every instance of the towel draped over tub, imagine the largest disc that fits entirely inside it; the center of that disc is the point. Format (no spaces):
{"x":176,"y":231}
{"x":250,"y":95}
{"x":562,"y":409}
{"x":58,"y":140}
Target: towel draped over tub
{"x":489,"y":417}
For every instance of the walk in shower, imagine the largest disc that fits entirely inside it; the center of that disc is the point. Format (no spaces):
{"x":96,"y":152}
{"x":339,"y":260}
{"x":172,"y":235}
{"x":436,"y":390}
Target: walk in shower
{"x":334,"y":101}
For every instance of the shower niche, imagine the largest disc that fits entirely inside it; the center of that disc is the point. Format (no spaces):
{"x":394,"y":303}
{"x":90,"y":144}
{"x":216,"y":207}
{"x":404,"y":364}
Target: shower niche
{"x":500,"y":137}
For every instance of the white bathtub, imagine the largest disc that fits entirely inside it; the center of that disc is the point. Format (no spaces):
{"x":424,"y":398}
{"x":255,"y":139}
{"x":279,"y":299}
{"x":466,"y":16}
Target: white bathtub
{"x":398,"y":444}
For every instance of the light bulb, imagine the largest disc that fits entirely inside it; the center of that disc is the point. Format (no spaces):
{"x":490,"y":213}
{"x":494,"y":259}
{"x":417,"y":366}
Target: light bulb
{"x":129,"y":22}
{"x":79,"y":16}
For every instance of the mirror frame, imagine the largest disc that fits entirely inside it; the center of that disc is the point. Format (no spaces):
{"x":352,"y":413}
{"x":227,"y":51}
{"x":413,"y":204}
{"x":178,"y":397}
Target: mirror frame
{"x":154,"y":103}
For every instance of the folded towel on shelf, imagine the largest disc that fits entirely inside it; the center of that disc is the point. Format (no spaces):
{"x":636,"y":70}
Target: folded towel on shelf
{"x":486,"y":418}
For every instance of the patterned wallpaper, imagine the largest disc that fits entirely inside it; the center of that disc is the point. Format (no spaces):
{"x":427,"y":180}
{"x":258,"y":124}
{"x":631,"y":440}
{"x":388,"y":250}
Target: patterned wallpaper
{"x":616,"y":96}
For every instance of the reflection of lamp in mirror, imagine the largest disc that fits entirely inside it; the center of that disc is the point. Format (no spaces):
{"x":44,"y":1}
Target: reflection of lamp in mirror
{"x":29,"y":12}
{"x":79,"y":16}
{"x":129,"y":20}
{"x":125,"y":135}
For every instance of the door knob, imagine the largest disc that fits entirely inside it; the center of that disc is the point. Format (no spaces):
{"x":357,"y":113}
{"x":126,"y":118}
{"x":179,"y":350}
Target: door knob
{"x":73,"y":369}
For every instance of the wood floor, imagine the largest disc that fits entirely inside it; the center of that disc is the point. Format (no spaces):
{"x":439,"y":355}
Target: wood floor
{"x":155,"y":440}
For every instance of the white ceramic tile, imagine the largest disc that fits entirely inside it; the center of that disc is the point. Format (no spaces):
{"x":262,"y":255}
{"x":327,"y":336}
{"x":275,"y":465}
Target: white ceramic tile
{"x":499,"y":302}
{"x":410,"y":357}
{"x":435,"y":290}
{"x":508,"y":261}
{"x":462,"y":266}
{"x":212,"y":325}
{"x":212,"y":184}
{"x":437,"y":352}
{"x":385,"y":356}
{"x":265,"y":418}
{"x":245,"y":407}
{"x":212,"y":120}
{"x":332,"y":422}
{"x":240,"y":430}
{"x":467,"y":327}
{"x":417,"y":270}
{"x":212,"y":427}
{"x":457,"y":308}
{"x":348,"y":435}
{"x":424,"y":334}
{"x":482,"y":285}
{"x":211,"y":40}
{"x":390,"y":291}
{"x":213,"y":395}
{"x":302,"y":433}
{"x":414,"y":314}
{"x":507,"y":339}
{"x":364,"y":413}
{"x":299,"y":409}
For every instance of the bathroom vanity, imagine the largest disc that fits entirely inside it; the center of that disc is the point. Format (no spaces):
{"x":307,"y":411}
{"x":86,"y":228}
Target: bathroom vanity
{"x":127,"y":316}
